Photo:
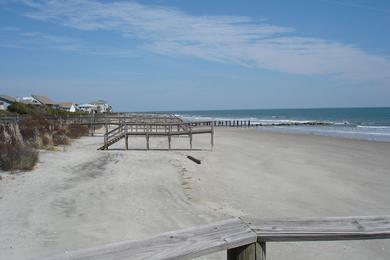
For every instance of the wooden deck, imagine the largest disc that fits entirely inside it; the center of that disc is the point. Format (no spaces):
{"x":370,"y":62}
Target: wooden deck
{"x":242,"y":239}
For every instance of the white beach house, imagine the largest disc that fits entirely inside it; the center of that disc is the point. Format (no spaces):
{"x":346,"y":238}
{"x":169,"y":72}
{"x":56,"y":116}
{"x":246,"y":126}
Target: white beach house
{"x":88,"y":108}
{"x":102,"y":106}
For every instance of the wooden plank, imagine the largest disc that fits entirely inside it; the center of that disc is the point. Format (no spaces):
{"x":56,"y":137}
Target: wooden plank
{"x":183,"y":244}
{"x":322,"y":229}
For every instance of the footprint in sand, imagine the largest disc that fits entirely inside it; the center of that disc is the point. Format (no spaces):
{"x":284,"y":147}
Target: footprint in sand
{"x":186,"y":183}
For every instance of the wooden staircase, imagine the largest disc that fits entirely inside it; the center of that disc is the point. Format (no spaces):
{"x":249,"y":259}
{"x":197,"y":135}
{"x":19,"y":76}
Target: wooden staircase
{"x":111,"y":142}
{"x":112,"y":137}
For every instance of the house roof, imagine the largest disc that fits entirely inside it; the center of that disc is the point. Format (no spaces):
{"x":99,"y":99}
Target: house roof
{"x":87,"y":105}
{"x":7,"y":99}
{"x":66,"y":104}
{"x":28,"y":102}
{"x":44,"y":100}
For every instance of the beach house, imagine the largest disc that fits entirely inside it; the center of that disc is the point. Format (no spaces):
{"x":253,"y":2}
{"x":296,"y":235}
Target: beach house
{"x":45,"y":101}
{"x":68,"y":106}
{"x":5,"y":101}
{"x":88,"y":108}
{"x":102,"y":106}
{"x":29,"y":101}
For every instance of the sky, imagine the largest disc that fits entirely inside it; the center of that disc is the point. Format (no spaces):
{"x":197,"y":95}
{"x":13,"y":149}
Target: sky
{"x":164,"y":55}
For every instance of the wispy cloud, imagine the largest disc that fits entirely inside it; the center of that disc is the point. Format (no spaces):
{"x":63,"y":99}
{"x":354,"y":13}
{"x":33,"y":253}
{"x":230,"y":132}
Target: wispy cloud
{"x":231,"y":39}
{"x":44,"y":41}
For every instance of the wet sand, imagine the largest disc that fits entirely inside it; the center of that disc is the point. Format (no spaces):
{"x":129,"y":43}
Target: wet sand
{"x":79,"y":197}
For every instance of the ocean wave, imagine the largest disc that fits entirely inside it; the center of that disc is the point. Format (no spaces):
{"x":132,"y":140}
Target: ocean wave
{"x":344,"y":123}
{"x":379,"y":127}
{"x":371,"y":134}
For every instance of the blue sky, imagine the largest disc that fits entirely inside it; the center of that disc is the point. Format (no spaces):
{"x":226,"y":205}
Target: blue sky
{"x":198,"y":54}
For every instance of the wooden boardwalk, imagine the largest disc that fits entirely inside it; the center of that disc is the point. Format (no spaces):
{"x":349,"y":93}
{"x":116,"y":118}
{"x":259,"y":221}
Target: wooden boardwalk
{"x":120,"y":118}
{"x":243,"y":240}
{"x":124,"y":130}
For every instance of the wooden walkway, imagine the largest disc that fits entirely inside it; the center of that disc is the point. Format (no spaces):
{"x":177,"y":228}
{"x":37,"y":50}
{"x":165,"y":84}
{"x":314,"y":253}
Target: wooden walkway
{"x":101,"y":119}
{"x":124,"y":130}
{"x":243,"y":240}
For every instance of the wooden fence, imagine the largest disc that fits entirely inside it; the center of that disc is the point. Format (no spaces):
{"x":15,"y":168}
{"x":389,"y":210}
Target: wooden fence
{"x":243,"y":240}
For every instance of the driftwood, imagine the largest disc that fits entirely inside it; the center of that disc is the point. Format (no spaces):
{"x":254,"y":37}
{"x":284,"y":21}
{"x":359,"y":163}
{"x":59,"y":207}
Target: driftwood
{"x":194,"y":159}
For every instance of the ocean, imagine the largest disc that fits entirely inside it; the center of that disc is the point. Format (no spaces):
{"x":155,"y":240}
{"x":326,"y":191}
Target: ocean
{"x":357,"y":123}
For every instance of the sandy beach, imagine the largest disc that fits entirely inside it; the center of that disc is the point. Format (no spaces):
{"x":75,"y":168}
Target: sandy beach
{"x":78,"y":197}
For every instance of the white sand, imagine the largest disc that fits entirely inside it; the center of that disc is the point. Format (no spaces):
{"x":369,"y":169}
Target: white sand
{"x":82,"y":197}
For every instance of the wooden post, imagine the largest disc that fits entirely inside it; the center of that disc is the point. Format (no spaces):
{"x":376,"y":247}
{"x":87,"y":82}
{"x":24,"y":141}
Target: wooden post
{"x":255,"y":251}
{"x":147,"y":141}
{"x":169,"y":137}
{"x":212,"y":137}
{"x":190,"y":138}
{"x":92,"y":124}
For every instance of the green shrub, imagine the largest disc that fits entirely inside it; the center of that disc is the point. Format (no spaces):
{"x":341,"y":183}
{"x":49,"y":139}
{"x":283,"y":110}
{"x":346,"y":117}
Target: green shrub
{"x":23,"y":109}
{"x":29,"y":109}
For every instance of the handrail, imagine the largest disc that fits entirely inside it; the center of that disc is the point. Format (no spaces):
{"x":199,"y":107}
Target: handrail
{"x":113,"y":130}
{"x":95,"y":116}
{"x":199,"y":123}
{"x":239,"y":237}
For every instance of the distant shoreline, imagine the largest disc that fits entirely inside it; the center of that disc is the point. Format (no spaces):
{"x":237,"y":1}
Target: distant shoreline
{"x":355,"y":123}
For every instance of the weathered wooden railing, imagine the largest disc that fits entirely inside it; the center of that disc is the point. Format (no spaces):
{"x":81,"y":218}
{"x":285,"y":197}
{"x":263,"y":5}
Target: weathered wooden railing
{"x":243,"y":240}
{"x":114,"y":133}
{"x":112,"y":118}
